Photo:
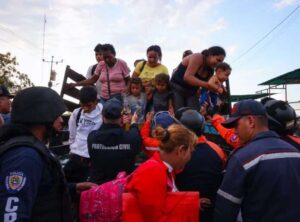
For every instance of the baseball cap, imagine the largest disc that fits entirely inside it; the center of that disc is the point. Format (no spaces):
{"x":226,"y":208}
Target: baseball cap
{"x":4,"y":92}
{"x":112,"y":109}
{"x":164,"y":119}
{"x":244,"y":108}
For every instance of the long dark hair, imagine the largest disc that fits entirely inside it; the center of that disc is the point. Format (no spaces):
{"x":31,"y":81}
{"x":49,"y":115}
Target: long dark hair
{"x":212,"y":51}
{"x":157,"y":49}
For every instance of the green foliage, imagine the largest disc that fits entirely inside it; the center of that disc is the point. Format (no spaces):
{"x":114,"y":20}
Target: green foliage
{"x":13,"y":79}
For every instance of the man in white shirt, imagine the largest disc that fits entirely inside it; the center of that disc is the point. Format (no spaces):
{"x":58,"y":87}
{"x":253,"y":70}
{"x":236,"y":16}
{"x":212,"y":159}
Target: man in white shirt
{"x":82,"y":121}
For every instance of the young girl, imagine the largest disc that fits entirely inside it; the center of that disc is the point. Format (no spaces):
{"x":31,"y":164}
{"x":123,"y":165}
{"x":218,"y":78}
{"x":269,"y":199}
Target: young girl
{"x":162,"y":94}
{"x":135,"y":101}
{"x":153,"y":179}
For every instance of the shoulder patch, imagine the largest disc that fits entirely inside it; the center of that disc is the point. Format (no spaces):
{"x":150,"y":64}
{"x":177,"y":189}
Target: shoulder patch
{"x":234,"y":138}
{"x":15,"y":181}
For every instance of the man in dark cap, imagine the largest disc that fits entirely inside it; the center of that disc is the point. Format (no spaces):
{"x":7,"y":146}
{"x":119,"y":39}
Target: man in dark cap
{"x":262,"y":177}
{"x":32,"y":186}
{"x":111,"y":148}
{"x":5,"y":104}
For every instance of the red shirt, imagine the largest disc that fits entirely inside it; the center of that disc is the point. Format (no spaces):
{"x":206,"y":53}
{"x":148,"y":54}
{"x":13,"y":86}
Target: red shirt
{"x":150,"y":144}
{"x":149,"y":185}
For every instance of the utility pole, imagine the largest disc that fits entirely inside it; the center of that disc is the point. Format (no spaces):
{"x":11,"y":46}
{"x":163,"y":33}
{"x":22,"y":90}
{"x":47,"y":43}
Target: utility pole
{"x":52,"y":72}
{"x":44,"y":33}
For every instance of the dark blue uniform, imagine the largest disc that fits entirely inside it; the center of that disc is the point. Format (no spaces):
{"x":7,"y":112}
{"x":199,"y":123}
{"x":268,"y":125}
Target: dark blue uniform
{"x":203,"y":173}
{"x":112,"y":149}
{"x":263,"y":180}
{"x":32,"y":186}
{"x":6,"y":117}
{"x":20,"y":175}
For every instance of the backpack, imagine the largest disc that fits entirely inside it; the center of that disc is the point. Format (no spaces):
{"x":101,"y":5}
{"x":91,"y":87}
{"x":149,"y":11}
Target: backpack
{"x":78,"y":116}
{"x":93,"y":69}
{"x":103,"y":203}
{"x":143,"y":66}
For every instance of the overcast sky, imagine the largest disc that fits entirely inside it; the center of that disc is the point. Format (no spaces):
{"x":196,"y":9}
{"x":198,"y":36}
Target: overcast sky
{"x":74,"y":27}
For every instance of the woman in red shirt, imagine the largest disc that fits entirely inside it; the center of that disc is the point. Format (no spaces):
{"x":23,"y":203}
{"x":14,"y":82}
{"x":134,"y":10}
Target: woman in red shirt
{"x":151,"y":182}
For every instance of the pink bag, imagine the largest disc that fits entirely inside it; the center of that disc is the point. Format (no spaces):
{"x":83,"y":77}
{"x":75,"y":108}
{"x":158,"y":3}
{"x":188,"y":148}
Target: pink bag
{"x":103,"y":203}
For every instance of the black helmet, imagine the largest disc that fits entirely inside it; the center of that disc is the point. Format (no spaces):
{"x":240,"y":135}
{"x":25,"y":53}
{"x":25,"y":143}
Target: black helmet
{"x":37,"y":105}
{"x":281,"y":116}
{"x":191,"y":118}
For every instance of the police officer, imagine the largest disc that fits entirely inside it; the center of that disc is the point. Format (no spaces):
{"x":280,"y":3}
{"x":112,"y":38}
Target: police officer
{"x":203,"y":173}
{"x":111,"y":148}
{"x":5,"y":104}
{"x":282,"y":119}
{"x":262,"y":177}
{"x":32,"y":184}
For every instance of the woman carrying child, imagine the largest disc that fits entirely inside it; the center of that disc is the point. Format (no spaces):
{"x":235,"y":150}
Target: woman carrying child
{"x":192,"y":73}
{"x":147,"y":70}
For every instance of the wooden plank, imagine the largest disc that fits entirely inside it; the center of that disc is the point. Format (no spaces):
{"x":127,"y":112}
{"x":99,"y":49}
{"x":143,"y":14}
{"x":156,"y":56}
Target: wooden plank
{"x":75,"y":76}
{"x":73,"y":92}
{"x":70,"y":105}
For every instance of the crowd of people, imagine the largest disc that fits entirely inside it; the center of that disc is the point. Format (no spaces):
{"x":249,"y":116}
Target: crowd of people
{"x":160,"y":119}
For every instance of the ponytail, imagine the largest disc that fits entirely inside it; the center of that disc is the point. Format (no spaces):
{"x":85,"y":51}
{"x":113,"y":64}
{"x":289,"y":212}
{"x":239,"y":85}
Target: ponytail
{"x":174,"y":136}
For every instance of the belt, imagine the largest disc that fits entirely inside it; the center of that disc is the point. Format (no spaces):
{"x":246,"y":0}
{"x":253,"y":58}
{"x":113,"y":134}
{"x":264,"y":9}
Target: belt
{"x":80,"y":158}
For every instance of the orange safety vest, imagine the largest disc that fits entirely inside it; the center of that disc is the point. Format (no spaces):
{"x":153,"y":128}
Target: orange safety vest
{"x":228,"y":135}
{"x":215,"y":147}
{"x":294,"y":138}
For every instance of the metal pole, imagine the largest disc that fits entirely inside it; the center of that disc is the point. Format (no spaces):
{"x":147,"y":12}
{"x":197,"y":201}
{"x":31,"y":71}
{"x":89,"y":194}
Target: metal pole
{"x":285,"y":88}
{"x":50,"y":84}
{"x":229,"y":96}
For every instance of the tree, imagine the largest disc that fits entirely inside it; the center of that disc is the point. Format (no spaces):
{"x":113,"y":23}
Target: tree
{"x":13,"y":79}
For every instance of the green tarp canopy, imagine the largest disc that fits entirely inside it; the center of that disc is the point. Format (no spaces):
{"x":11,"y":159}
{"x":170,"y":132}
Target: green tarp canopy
{"x":292,"y":77}
{"x":236,"y":98}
